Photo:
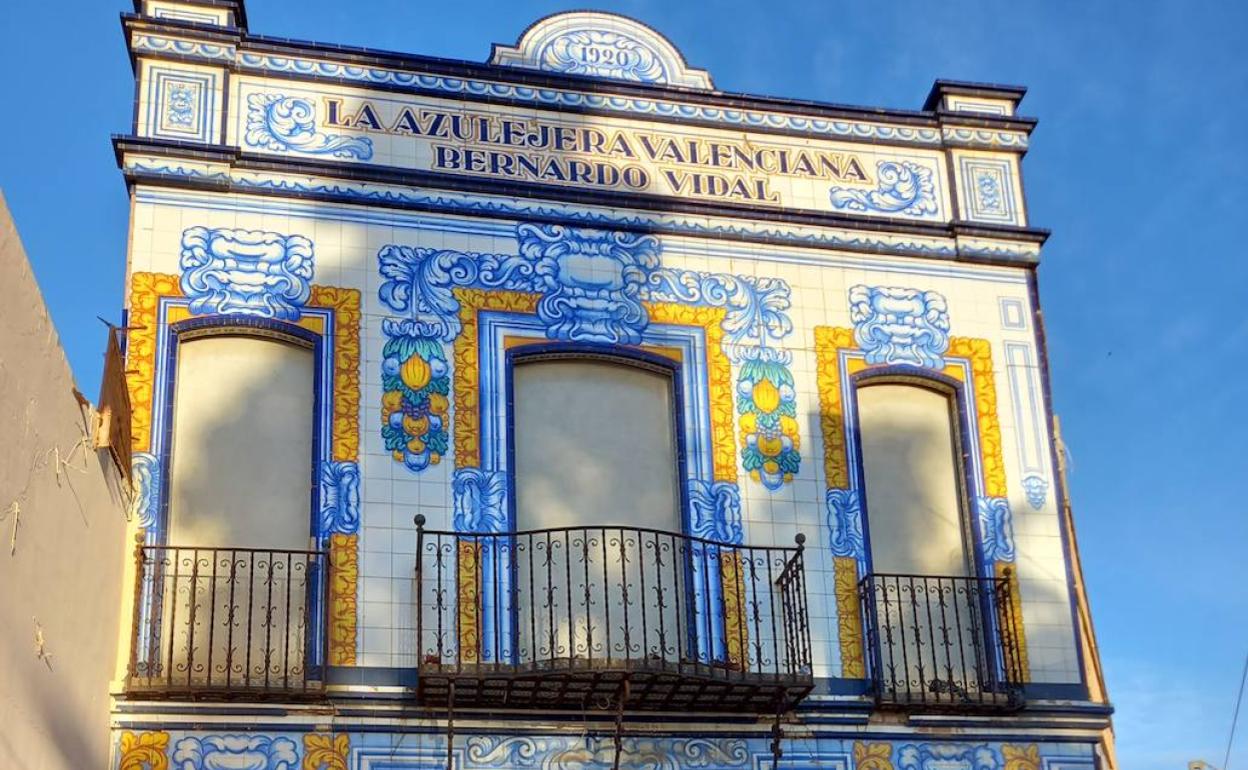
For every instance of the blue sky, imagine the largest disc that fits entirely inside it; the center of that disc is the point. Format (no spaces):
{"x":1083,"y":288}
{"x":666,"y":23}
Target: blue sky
{"x":1138,"y":166}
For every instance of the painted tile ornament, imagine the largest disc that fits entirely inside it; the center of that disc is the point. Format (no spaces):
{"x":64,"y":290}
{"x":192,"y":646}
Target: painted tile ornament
{"x":416,"y":381}
{"x":767,"y":405}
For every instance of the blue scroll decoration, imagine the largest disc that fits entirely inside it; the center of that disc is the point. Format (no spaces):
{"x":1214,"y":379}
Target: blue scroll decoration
{"x":247,"y":272}
{"x":419,"y":284}
{"x":996,"y":526}
{"x":145,"y":472}
{"x":288,"y":124}
{"x":223,"y":752}
{"x":844,"y":512}
{"x":715,"y":511}
{"x":480,"y":500}
{"x":903,"y":187}
{"x":900,"y":326}
{"x":340,"y":498}
{"x":756,"y":305}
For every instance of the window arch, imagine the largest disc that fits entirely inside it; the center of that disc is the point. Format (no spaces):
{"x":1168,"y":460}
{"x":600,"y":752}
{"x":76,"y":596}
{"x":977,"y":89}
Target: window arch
{"x":910,"y":432}
{"x":595,"y":437}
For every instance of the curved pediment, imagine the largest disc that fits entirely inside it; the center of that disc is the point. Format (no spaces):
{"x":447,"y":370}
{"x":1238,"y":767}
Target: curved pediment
{"x":602,"y":45}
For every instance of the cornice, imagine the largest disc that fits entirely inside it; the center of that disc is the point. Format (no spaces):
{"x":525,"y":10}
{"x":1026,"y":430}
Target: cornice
{"x":241,"y":52}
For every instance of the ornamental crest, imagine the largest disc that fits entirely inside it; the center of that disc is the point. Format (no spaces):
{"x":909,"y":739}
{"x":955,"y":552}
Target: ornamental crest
{"x":603,"y":45}
{"x":603,"y":53}
{"x":248,"y":272}
{"x":591,"y":281}
{"x":900,"y":326}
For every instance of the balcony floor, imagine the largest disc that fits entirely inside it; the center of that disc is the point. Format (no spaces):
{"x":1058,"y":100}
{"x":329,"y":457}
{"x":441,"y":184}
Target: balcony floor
{"x":577,"y":684}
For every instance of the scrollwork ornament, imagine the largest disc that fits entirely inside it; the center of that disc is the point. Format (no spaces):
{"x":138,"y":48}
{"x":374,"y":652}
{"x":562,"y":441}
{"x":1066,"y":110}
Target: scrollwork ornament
{"x":873,"y":756}
{"x":844,"y":512}
{"x":996,"y":528}
{"x":480,"y":498}
{"x":922,"y":756}
{"x":702,"y":752}
{"x":144,"y":751}
{"x":591,"y":281}
{"x":288,"y":124}
{"x":1021,"y":757}
{"x":340,"y":497}
{"x":903,"y":187}
{"x":247,"y":272}
{"x":516,"y":751}
{"x":900,"y":325}
{"x":757,"y":305}
{"x":145,"y":483}
{"x":325,"y":752}
{"x":715,"y":511}
{"x":225,"y":752}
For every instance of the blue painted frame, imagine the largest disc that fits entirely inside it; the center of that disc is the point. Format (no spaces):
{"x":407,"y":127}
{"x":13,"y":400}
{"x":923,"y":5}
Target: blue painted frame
{"x":246,"y":326}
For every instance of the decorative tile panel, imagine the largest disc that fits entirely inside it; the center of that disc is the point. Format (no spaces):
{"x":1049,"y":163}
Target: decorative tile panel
{"x":477,"y":749}
{"x":1029,"y":422}
{"x":590,"y":286}
{"x":987,"y":187}
{"x":979,"y":105}
{"x":181,"y":104}
{"x":194,"y":13}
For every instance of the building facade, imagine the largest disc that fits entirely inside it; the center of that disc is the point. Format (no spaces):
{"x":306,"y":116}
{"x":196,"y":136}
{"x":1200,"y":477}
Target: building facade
{"x":565,"y":411}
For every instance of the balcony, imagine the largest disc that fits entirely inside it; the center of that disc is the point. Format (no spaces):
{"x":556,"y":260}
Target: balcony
{"x":626,"y":617}
{"x":942,"y":643}
{"x":221,"y":623}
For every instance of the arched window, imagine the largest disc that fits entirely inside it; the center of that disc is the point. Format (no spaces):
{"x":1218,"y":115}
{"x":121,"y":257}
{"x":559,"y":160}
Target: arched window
{"x":929,"y":614}
{"x":596,"y":452}
{"x":240,"y":459}
{"x":234,"y":588}
{"x":595,"y":443}
{"x":914,"y":478}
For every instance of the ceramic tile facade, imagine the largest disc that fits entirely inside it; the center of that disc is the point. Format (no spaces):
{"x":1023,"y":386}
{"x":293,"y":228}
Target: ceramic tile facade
{"x":420,"y":267}
{"x":392,"y":493}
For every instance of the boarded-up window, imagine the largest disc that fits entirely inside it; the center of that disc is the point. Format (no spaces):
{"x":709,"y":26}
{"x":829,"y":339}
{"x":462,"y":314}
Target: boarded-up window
{"x":240,"y":470}
{"x":595,"y":448}
{"x":594,"y":445}
{"x":232,"y":598}
{"x":912,"y":468}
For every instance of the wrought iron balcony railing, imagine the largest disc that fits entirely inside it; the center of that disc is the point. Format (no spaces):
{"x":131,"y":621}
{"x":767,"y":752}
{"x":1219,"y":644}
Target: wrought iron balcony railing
{"x":227,"y":623}
{"x":587,"y":616}
{"x":942,"y":642}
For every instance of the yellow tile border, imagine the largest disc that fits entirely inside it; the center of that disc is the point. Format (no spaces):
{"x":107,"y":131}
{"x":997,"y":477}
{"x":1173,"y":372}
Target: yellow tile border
{"x":146,"y":291}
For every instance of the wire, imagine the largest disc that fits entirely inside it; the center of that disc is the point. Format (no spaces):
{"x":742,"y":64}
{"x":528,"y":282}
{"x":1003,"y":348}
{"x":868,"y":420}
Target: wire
{"x":1226,"y":763}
